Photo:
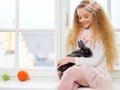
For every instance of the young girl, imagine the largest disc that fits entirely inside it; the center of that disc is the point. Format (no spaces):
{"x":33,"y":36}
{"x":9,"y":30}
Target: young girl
{"x":90,"y":25}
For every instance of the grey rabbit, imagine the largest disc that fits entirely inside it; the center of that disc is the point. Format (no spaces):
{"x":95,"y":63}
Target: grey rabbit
{"x":83,"y":51}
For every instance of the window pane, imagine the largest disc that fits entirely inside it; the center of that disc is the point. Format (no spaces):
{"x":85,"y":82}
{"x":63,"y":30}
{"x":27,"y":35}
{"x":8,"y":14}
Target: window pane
{"x":37,"y":49}
{"x":118,"y":42}
{"x":7,"y":49}
{"x":7,"y":13}
{"x":103,"y":3}
{"x":115,"y":14}
{"x":74,"y":3}
{"x":37,"y":14}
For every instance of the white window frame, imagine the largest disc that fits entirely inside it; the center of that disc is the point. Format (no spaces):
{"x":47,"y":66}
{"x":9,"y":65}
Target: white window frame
{"x":38,"y":71}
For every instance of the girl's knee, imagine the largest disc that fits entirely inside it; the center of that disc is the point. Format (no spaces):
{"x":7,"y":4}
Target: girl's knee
{"x":74,"y":71}
{"x":71,"y":70}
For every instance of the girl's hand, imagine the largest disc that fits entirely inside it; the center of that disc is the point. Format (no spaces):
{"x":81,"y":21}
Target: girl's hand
{"x":65,"y":60}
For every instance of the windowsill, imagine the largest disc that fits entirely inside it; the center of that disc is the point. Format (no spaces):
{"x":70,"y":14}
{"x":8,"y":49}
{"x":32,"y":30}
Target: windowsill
{"x":42,"y":80}
{"x":27,"y":85}
{"x":31,"y":85}
{"x":38,"y":84}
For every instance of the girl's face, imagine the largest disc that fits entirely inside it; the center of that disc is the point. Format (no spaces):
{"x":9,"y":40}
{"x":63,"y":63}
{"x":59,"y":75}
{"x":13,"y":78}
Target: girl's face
{"x":85,"y":17}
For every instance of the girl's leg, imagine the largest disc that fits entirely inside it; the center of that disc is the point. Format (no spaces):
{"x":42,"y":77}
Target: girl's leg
{"x":72,"y":75}
{"x":75,"y":86}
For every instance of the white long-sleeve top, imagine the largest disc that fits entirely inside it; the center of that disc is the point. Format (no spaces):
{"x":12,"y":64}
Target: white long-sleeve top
{"x":98,"y":58}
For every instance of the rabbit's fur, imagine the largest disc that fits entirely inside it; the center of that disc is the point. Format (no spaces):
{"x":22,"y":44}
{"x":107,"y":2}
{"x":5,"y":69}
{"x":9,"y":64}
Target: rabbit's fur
{"x":83,"y":51}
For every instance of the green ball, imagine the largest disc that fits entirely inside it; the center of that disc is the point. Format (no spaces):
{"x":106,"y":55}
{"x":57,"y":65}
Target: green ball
{"x":5,"y":77}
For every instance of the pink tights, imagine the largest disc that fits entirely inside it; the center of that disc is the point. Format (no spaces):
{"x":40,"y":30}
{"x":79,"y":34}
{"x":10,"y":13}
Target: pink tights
{"x":72,"y":78}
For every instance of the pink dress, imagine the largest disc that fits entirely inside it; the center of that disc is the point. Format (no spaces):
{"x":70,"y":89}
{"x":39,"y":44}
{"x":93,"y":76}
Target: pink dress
{"x":90,"y":71}
{"x":94,"y":68}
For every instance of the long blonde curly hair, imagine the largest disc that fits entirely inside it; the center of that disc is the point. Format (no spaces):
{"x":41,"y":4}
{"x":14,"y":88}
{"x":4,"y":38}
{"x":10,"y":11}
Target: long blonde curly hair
{"x":102,"y":29}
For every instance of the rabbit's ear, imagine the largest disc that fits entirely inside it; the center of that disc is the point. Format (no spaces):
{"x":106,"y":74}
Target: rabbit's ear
{"x":81,"y":44}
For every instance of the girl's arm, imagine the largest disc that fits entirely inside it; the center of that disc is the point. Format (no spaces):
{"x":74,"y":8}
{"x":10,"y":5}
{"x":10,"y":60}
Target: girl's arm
{"x":65,"y":60}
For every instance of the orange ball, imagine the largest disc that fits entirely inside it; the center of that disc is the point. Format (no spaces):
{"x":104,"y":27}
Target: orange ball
{"x":22,"y":75}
